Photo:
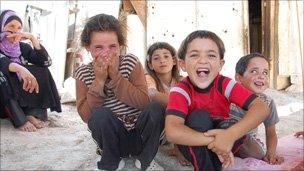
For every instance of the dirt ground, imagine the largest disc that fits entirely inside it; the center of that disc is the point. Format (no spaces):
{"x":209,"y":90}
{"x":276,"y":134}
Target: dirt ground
{"x":66,"y":144}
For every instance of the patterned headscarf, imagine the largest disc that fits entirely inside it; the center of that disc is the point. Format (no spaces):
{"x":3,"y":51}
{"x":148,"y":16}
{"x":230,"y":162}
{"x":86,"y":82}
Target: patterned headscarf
{"x":12,"y":50}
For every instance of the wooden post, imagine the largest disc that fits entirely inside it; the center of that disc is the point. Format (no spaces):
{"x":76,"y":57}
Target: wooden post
{"x":270,"y":46}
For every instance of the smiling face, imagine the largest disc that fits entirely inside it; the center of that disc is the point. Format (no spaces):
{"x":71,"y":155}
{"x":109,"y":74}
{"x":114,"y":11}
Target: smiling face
{"x":202,"y":62}
{"x":162,"y":61}
{"x":13,"y":26}
{"x":103,"y":41}
{"x":256,"y":76}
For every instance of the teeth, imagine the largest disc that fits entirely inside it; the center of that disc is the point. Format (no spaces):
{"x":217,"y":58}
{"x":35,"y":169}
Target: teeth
{"x":259,"y":83}
{"x":203,"y":70}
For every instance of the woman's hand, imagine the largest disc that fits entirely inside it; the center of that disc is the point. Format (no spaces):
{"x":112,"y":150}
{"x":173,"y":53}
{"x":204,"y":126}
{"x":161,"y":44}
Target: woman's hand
{"x":17,"y":37}
{"x":29,"y":81}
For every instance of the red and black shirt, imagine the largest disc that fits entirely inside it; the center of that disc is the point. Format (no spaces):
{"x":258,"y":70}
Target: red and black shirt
{"x":215,"y":99}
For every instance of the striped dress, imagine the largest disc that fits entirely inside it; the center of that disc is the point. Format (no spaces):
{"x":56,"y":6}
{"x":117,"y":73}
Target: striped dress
{"x":125,"y":113}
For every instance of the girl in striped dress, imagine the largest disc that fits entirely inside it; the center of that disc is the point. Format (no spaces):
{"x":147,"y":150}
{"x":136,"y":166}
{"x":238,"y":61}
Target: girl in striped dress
{"x":112,"y":98}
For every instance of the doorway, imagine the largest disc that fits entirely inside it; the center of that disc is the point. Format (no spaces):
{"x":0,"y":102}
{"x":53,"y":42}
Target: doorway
{"x":255,"y":26}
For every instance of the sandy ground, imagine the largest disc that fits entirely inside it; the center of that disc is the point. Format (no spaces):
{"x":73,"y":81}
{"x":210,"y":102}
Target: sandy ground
{"x":67,"y":145}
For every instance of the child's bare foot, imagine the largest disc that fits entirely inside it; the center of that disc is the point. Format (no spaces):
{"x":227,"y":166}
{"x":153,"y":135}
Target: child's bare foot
{"x":36,"y":122}
{"x":298,"y":134}
{"x":181,"y":159}
{"x":28,"y":127}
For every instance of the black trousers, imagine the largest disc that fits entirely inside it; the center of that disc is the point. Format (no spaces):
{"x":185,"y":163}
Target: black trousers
{"x":115,"y":141}
{"x":201,"y":157}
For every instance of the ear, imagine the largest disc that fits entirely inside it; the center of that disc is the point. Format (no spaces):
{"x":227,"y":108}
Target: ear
{"x":238,"y":77}
{"x":150,"y":65}
{"x":175,"y":60}
{"x":87,"y":48}
{"x":182,"y":65}
{"x":222,"y":62}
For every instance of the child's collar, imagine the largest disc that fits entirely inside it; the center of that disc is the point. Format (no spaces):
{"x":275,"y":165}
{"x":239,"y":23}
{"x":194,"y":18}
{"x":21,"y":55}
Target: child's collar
{"x":202,"y":90}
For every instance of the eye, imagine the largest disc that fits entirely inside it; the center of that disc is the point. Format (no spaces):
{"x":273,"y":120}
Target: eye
{"x":155,"y":58}
{"x":113,"y":46}
{"x":211,"y":56}
{"x":193,"y":55}
{"x":265,"y":73}
{"x":254,"y":71}
{"x":166,"y":56}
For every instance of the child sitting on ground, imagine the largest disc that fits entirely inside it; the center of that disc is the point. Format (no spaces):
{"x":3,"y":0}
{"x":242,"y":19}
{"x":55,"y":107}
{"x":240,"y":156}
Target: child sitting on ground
{"x":200,"y":102}
{"x":163,"y":73}
{"x":252,"y":71}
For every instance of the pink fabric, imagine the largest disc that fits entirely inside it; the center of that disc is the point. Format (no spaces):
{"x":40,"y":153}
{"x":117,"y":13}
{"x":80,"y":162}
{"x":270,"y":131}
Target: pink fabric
{"x":290,"y":147}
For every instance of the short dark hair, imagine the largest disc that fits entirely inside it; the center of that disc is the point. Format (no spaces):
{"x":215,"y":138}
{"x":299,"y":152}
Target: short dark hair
{"x":201,"y":34}
{"x":102,"y":22}
{"x":175,"y":69}
{"x":241,"y":65}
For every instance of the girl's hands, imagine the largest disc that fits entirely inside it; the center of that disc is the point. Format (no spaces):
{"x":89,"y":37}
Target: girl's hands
{"x":113,"y":64}
{"x":100,"y":66}
{"x":30,"y":83}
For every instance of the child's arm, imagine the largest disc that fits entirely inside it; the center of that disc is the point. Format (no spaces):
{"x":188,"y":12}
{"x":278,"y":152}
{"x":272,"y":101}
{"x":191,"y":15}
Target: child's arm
{"x":224,"y":138}
{"x":133,"y":90}
{"x":178,"y":133}
{"x":154,"y":94}
{"x":271,"y":143}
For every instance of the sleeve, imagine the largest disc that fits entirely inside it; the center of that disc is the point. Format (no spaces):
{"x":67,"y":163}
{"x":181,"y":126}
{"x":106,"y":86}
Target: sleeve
{"x":38,"y":57}
{"x":237,"y":94}
{"x":273,"y":117}
{"x":132,"y":92}
{"x":179,"y":101}
{"x":87,"y":98}
{"x":4,"y":64}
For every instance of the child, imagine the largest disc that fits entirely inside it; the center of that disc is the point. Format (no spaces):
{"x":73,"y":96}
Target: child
{"x":112,"y":97}
{"x":252,"y":72}
{"x":163,"y":73}
{"x":200,"y":102}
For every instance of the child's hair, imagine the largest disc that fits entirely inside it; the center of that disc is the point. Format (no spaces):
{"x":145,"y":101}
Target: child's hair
{"x":201,"y":34}
{"x":242,"y":64}
{"x":175,"y":68}
{"x":99,"y":23}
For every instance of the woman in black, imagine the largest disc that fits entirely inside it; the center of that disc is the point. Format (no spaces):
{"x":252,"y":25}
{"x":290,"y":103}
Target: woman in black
{"x":27,"y":88}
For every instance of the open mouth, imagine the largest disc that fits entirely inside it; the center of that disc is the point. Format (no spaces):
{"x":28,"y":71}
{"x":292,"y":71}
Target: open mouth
{"x":202,"y":72}
{"x":259,"y":83}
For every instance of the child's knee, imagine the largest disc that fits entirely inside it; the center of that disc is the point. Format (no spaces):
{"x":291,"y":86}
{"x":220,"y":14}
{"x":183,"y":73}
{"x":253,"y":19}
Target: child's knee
{"x":199,"y":120}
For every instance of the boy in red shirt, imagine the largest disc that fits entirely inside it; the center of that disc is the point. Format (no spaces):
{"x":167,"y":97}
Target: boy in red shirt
{"x":200,"y":102}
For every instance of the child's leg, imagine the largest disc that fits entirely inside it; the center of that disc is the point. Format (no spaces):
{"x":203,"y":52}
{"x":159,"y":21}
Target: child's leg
{"x":247,"y":146}
{"x":200,"y":156}
{"x":149,"y":126}
{"x":180,"y":157}
{"x":107,"y":131}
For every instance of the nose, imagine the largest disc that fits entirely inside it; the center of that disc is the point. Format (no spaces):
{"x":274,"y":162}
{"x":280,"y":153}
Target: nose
{"x":202,"y":59}
{"x":162,"y":60}
{"x":261,"y":76}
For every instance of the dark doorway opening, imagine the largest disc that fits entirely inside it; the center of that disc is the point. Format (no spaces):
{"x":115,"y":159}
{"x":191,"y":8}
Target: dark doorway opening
{"x":255,"y":25}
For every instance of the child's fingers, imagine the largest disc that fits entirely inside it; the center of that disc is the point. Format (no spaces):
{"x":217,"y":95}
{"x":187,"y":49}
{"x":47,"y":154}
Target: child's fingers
{"x":211,"y":145}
